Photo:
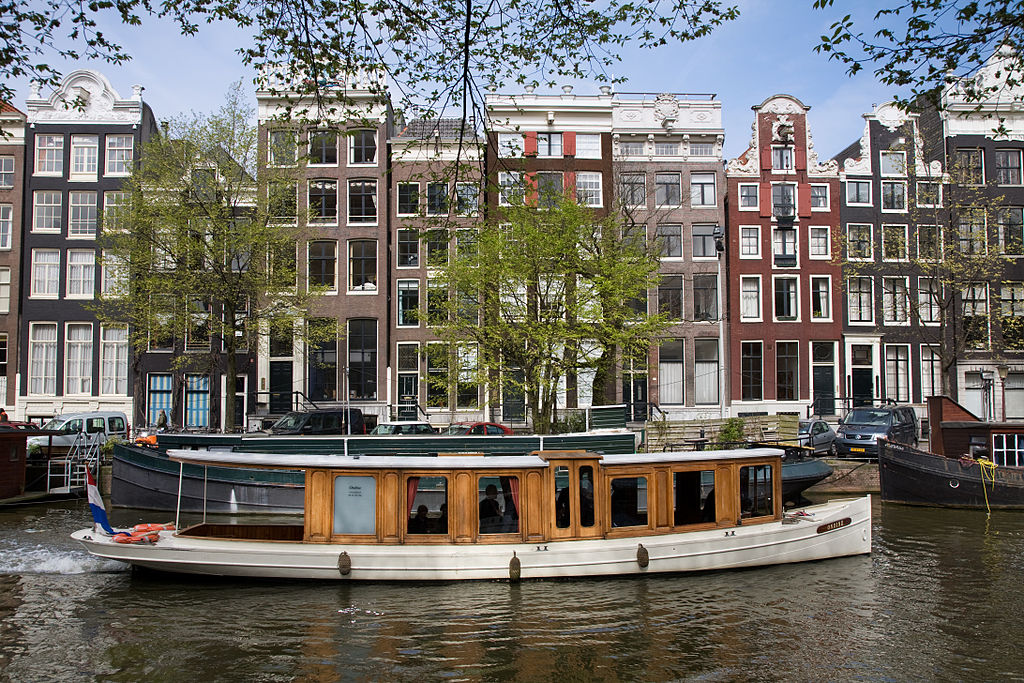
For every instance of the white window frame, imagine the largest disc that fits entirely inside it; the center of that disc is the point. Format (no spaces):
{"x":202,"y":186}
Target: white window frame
{"x":757,"y":197}
{"x":904,"y":390}
{"x":1020,"y":167}
{"x":351,"y":289}
{"x":925,"y":302}
{"x":113,"y":360}
{"x":757,"y":243}
{"x":119,"y":157}
{"x":55,"y":209}
{"x":867,"y":181}
{"x":81,"y":274}
{"x":78,"y":368}
{"x":7,"y":167}
{"x":82,"y":201}
{"x":44,"y":273}
{"x":85,"y":158}
{"x":588,"y":151}
{"x":677,"y":233}
{"x":882,"y":202}
{"x":827,"y":279}
{"x":811,"y":253}
{"x":871,"y":242}
{"x":551,"y":149}
{"x":398,"y":204}
{"x":113,"y":275}
{"x":744,"y":299}
{"x":594,"y":197}
{"x":871,"y":301}
{"x":786,"y":156}
{"x":890,"y":305}
{"x":508,"y":180}
{"x":714,"y":188}
{"x":398,"y":302}
{"x":917,"y":194}
{"x":348,"y":202}
{"x":902,"y":156}
{"x":828,"y":197}
{"x":796,"y":299}
{"x":938,"y":236}
{"x":350,"y":144}
{"x":49,"y":158}
{"x":42,"y":360}
{"x":5,"y":289}
{"x":906,"y":243}
{"x":6,"y":226}
{"x":272,"y":159}
{"x":511,"y":145}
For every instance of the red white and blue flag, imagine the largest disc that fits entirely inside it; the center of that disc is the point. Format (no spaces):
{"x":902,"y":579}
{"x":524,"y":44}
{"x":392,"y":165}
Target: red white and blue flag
{"x":99,"y":513}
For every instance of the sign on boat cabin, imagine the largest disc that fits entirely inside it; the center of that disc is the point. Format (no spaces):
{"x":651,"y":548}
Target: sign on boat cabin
{"x":551,"y":496}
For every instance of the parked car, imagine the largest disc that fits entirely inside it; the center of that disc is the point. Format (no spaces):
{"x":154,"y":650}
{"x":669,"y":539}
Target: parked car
{"x":100,"y":425}
{"x":861,"y":428}
{"x":817,"y":435}
{"x":403,"y":427}
{"x":328,"y":421}
{"x":476,"y":428}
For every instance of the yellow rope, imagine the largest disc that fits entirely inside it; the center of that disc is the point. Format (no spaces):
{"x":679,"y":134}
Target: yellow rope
{"x":988,"y":473}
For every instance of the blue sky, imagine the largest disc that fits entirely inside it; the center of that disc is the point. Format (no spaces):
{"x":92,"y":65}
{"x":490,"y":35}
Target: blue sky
{"x":768,"y":50}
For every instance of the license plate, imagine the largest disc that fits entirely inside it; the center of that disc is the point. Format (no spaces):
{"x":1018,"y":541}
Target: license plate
{"x":857,"y":450}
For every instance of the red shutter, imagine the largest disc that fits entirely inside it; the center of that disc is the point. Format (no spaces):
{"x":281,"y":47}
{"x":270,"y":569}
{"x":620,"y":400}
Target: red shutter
{"x":765,"y":200}
{"x":569,"y":181}
{"x":804,"y":200}
{"x":530,"y":180}
{"x":766,"y":157}
{"x":801,"y":158}
{"x":530,"y":148}
{"x":569,"y":144}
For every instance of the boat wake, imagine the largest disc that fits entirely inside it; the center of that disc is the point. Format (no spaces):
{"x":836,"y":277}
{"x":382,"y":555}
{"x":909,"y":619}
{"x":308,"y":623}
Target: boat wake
{"x":44,"y":559}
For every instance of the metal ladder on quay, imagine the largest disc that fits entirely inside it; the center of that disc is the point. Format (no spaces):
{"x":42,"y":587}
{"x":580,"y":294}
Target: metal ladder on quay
{"x":66,"y":474}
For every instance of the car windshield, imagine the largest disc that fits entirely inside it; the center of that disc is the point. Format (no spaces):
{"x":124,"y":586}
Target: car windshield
{"x":54,"y":424}
{"x":289,"y":421}
{"x":455,"y":430}
{"x":805,"y":427}
{"x":383,"y":429}
{"x":868,"y":416}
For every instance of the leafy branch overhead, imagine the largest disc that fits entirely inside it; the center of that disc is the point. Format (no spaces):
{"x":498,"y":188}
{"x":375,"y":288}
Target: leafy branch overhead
{"x":929,"y":45}
{"x":438,"y":52}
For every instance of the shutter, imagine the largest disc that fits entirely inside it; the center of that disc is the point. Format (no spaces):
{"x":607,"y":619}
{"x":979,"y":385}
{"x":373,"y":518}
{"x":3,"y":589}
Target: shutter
{"x":569,"y":144}
{"x":569,"y":181}
{"x":530,"y":144}
{"x":803,"y":201}
{"x":530,"y":180}
{"x":800,"y":154}
{"x":766,"y":157}
{"x":765,"y":200}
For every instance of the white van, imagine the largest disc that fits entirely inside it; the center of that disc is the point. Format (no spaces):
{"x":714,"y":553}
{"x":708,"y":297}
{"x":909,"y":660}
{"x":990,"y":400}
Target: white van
{"x":99,"y":425}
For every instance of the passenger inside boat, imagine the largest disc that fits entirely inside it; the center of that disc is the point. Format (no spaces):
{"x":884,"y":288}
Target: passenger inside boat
{"x":429,"y":497}
{"x":498,"y":507}
{"x":490,"y":511}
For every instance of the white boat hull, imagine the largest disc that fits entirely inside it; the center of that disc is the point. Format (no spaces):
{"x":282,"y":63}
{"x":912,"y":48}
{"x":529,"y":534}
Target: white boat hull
{"x":834,"y":529}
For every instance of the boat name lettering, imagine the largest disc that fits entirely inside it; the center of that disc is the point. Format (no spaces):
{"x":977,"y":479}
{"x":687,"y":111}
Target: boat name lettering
{"x":832,"y":526}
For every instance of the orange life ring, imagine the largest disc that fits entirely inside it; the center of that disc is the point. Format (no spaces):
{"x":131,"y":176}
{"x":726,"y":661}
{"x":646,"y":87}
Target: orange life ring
{"x":138,"y":537}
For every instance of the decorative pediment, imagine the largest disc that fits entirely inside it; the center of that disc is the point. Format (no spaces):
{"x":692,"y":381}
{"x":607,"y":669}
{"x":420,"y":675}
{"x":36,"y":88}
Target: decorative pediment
{"x":85,"y":96}
{"x":861,"y":165}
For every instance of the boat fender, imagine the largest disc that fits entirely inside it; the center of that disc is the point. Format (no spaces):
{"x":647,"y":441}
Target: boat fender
{"x":643,"y":558}
{"x":344,"y":563}
{"x":515,"y":568}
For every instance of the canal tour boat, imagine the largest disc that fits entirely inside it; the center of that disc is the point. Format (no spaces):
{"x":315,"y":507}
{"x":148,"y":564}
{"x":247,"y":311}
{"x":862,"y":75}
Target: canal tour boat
{"x":544,"y":515}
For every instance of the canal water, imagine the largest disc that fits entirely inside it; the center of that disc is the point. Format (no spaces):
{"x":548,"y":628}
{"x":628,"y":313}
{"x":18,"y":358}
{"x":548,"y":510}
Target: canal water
{"x":941,"y":598}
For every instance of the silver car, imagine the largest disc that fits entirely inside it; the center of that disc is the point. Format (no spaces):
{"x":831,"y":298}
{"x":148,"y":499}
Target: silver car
{"x":819,"y":435}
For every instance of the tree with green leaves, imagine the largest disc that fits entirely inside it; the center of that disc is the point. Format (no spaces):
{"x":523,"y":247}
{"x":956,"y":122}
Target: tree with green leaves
{"x":439,"y":54}
{"x":927,"y":46}
{"x":197,"y":258}
{"x":545,"y":296}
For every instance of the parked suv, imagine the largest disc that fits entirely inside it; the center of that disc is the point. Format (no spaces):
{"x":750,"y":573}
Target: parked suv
{"x":861,"y":428}
{"x":320,"y":422}
{"x":100,"y":426}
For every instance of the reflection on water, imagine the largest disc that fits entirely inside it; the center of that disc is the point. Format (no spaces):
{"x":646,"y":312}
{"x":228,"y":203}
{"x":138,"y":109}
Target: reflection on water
{"x":939,"y":598}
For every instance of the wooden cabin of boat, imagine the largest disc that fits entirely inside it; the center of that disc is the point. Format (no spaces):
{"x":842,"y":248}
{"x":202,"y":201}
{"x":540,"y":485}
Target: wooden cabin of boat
{"x":545,"y":496}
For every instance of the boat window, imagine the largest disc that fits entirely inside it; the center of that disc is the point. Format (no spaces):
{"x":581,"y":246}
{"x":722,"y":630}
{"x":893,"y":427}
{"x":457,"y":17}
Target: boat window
{"x":427,"y":505}
{"x":355,"y":505}
{"x":587,"y":496}
{"x":498,"y":504}
{"x":756,"y":491}
{"x":562,"y":497}
{"x":629,"y":501}
{"x":694,"y":498}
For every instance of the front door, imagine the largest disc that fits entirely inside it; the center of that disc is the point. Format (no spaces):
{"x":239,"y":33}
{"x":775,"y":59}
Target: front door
{"x":576,"y":503}
{"x":863,"y":393}
{"x":824,"y":390}
{"x":280,"y":386}
{"x":408,"y":395}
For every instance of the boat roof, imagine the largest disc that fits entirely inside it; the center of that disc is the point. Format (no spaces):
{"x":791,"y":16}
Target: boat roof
{"x":299,"y":461}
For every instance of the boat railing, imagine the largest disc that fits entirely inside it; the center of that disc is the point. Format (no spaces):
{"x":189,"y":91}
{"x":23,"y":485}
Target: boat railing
{"x":67,"y":473}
